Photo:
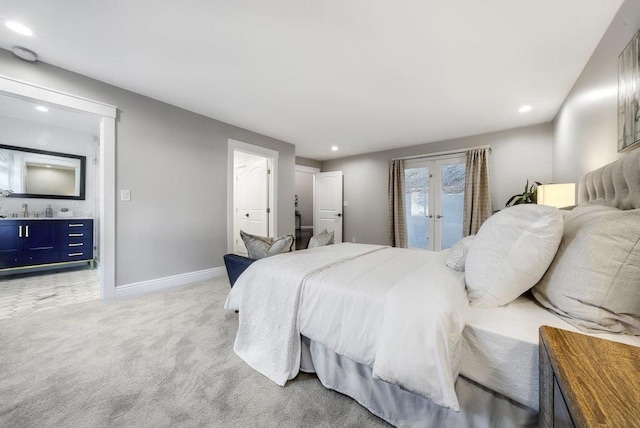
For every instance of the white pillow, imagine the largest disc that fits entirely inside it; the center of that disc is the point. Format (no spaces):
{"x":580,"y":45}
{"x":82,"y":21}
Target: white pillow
{"x":594,"y":281}
{"x":259,"y":247}
{"x":321,"y":239}
{"x":511,"y":252}
{"x":458,"y":253}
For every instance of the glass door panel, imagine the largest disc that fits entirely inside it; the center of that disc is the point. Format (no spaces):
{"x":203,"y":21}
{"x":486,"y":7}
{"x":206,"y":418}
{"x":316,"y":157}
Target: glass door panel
{"x":451,"y":203}
{"x":416,"y":184}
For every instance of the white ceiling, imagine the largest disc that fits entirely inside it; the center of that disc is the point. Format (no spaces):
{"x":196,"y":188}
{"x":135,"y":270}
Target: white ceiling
{"x":364,"y":75}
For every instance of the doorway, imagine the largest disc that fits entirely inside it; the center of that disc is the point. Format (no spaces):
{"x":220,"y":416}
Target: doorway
{"x":105,"y":213}
{"x":304,"y":215}
{"x":252,"y":193}
{"x":434,"y":202}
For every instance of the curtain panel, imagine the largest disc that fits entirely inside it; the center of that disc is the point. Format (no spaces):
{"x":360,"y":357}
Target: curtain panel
{"x":397,"y":219}
{"x":477,"y":191}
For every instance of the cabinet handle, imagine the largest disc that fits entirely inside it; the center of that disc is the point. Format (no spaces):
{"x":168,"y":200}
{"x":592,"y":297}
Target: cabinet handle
{"x":19,"y":231}
{"x":80,"y":244}
{"x":76,"y":224}
{"x":26,"y":234}
{"x":76,"y":234}
{"x":75,"y":254}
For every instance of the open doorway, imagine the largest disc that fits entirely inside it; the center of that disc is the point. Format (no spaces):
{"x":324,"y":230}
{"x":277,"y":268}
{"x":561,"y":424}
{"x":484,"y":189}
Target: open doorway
{"x":252,"y":193}
{"x":304,"y":212}
{"x":105,"y":166}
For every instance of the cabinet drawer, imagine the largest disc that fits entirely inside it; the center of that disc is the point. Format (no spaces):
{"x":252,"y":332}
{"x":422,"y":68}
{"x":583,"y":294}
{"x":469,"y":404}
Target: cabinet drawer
{"x":75,"y":226}
{"x":76,"y":236}
{"x":75,"y":245}
{"x":71,"y":254}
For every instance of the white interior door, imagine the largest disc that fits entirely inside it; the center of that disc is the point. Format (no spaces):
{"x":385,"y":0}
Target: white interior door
{"x":328,"y":203}
{"x":252,"y":201}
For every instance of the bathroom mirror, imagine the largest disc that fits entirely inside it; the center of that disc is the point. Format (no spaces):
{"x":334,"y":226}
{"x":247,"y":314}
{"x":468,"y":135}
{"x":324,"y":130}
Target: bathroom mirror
{"x":32,"y":173}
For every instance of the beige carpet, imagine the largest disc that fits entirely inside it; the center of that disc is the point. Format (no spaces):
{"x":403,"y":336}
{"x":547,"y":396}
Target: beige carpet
{"x":155,"y":361}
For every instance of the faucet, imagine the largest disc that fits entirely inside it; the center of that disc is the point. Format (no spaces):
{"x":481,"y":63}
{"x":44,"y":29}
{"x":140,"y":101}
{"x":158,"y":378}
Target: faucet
{"x":26,"y":211}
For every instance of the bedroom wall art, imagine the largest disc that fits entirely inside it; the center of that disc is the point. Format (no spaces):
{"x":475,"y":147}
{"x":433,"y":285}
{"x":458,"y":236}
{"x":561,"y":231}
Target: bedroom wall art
{"x":629,"y":96}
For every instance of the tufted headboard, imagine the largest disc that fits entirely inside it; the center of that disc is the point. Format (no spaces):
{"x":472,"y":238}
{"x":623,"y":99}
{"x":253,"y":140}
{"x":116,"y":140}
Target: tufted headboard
{"x":617,"y":183}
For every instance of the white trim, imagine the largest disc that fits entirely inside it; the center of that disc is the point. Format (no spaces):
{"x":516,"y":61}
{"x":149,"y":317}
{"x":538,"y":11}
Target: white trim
{"x":233,"y":146}
{"x":159,"y":284}
{"x":309,"y":169}
{"x":29,"y":90}
{"x":107,"y":211}
{"x":306,"y":227}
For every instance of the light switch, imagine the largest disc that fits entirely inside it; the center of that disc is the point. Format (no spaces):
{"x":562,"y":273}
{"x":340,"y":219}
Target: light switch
{"x":345,"y":204}
{"x":125,"y":195}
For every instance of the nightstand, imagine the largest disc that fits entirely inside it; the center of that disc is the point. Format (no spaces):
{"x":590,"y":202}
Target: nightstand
{"x":586,"y":381}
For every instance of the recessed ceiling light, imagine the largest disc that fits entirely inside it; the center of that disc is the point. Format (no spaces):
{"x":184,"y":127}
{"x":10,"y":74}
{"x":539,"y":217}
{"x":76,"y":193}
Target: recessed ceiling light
{"x":334,"y":148}
{"x":19,"y":28}
{"x":47,"y":166}
{"x":42,"y":108}
{"x":524,"y":109}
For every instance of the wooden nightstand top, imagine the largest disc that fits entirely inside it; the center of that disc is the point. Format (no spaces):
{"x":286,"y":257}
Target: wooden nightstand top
{"x":599,"y":379}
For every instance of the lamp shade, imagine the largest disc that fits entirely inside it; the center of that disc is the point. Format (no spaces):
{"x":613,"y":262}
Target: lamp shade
{"x":556,"y":195}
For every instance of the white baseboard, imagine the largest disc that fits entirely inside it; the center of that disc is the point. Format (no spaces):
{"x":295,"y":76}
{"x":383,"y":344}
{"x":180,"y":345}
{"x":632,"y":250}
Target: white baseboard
{"x":159,"y":284}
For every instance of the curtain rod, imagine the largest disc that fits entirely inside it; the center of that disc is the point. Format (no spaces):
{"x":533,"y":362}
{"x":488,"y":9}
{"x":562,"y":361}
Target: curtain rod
{"x":448,"y":152}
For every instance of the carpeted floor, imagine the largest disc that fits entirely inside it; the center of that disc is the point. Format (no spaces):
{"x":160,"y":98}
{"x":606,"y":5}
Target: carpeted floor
{"x":155,"y":361}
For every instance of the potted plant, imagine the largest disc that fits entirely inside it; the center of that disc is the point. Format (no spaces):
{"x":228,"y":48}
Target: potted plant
{"x":526,"y":197}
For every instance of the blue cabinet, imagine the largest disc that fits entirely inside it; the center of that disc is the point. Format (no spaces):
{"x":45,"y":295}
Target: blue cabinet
{"x":25,"y":243}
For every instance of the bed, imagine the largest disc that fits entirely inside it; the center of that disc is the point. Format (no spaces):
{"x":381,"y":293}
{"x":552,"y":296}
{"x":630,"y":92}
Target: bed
{"x":394,"y":328}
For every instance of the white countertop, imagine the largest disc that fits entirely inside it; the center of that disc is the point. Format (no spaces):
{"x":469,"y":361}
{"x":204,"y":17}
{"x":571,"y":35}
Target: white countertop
{"x":47,"y":218}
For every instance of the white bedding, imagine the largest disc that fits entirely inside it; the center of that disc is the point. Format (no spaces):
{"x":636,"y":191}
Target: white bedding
{"x":267,"y":295}
{"x":408,"y":328}
{"x":501,"y":347}
{"x":398,"y":311}
{"x":360,"y":309}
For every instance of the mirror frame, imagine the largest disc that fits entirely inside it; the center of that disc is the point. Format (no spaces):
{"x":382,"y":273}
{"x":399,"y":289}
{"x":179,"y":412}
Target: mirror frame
{"x":83,"y":172}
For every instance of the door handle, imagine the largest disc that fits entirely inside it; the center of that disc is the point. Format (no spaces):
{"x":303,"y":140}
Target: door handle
{"x":430,"y":216}
{"x":19,"y":231}
{"x":26,"y":233}
{"x":246,"y":215}
{"x":438,"y":216}
{"x":339,"y":215}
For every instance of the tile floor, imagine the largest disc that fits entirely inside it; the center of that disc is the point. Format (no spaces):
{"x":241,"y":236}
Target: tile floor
{"x":44,"y":290}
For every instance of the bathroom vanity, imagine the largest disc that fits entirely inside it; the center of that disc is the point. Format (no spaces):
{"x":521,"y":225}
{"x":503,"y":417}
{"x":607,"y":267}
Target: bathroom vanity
{"x":37,"y":242}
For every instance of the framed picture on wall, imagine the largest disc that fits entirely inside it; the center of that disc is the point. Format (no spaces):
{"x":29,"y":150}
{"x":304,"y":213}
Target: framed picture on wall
{"x":629,"y":96}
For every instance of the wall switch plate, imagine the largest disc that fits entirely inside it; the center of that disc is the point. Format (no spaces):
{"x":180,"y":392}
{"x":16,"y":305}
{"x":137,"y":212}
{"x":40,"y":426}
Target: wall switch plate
{"x":125,"y":195}
{"x":353,"y":240}
{"x":345,"y":204}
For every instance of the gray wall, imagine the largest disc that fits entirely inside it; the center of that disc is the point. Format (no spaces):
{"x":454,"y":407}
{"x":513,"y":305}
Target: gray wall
{"x":175,"y":164}
{"x":517,"y":155}
{"x":585,"y":128}
{"x":308,"y":162}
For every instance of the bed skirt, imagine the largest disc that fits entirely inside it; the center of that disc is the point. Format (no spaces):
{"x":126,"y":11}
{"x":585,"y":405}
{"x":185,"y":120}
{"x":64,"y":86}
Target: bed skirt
{"x":479,"y":406}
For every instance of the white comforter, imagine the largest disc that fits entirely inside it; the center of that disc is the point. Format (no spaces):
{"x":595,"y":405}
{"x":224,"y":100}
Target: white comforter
{"x":398,"y":311}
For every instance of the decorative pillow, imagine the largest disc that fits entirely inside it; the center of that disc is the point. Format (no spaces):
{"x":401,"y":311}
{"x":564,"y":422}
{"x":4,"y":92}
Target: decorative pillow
{"x":259,"y":247}
{"x":458,"y":253}
{"x":594,"y":281}
{"x":321,"y":239}
{"x":511,"y":252}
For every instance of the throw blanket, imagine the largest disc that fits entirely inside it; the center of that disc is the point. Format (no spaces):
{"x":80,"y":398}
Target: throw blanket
{"x":267,"y":295}
{"x":397,"y":311}
{"x":419,"y":347}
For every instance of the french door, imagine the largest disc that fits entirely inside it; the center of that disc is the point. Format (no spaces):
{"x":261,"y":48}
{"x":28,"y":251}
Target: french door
{"x":434,"y":202}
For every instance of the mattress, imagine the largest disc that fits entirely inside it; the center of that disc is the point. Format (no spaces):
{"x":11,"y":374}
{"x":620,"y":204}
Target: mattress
{"x":500,"y":347}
